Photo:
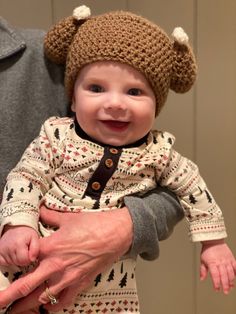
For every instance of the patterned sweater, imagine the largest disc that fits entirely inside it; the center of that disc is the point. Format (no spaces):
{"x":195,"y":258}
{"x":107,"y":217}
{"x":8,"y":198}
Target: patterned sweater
{"x":69,"y":172}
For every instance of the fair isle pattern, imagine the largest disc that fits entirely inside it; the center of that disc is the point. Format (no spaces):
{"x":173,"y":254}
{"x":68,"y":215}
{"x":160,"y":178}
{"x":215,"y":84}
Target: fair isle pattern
{"x":113,"y":291}
{"x":110,"y":301}
{"x":56,"y":168}
{"x":107,"y":306}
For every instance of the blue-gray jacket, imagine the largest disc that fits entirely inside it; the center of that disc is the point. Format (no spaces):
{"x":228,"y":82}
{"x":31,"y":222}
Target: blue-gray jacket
{"x":31,"y":90}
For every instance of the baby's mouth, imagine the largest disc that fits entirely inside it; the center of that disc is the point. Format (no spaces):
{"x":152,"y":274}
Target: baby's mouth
{"x":116,"y":125}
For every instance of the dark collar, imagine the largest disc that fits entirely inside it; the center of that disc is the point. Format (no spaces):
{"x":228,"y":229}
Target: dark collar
{"x":11,"y":41}
{"x":85,"y":136}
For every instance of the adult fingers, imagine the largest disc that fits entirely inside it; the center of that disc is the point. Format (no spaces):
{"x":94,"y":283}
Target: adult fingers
{"x":28,"y":303}
{"x":59,"y":282}
{"x":32,"y":311}
{"x":67,"y":286}
{"x":50,"y":217}
{"x":65,"y":299}
{"x":68,"y":295}
{"x":26,"y":284}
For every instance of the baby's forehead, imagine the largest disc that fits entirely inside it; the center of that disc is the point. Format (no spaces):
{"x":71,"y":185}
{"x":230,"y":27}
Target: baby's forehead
{"x":101,"y":69}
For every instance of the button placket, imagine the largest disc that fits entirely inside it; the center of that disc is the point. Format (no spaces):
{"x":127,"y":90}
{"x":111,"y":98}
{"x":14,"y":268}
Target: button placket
{"x":103,"y":173}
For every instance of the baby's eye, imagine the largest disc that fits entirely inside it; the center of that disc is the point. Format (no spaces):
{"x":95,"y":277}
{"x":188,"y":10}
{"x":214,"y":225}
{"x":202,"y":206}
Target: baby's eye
{"x":134,"y":92}
{"x":96,"y":88}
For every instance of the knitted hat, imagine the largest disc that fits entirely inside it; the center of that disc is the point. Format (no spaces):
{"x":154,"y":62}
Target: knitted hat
{"x":122,"y":36}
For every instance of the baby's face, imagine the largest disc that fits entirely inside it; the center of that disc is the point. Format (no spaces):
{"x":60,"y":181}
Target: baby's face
{"x":114,"y":103}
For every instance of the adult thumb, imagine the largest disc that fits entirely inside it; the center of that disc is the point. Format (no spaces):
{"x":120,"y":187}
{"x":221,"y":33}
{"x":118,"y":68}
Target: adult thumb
{"x":50,"y":217}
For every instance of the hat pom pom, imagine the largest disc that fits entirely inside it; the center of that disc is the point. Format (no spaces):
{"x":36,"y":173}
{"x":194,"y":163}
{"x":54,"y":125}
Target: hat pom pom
{"x":81,"y":13}
{"x":180,"y":36}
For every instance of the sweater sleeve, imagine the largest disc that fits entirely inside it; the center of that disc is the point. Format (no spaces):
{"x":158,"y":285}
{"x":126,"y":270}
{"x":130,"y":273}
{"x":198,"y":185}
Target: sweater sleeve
{"x":204,"y":216}
{"x":28,"y":182}
{"x":154,"y":217}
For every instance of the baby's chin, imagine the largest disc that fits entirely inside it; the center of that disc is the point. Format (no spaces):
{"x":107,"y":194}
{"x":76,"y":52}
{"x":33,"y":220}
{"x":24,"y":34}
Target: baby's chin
{"x":110,"y":140}
{"x":113,"y":142}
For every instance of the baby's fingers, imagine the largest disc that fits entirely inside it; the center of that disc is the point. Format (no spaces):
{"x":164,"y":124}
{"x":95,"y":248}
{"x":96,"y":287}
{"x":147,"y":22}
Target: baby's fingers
{"x":234,"y":267}
{"x":3,"y":261}
{"x":231,"y":275}
{"x":215,"y":276}
{"x":228,"y":280}
{"x":203,"y":272}
{"x":225,"y":274}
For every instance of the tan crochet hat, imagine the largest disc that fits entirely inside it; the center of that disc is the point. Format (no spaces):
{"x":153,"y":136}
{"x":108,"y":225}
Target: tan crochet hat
{"x":125,"y":37}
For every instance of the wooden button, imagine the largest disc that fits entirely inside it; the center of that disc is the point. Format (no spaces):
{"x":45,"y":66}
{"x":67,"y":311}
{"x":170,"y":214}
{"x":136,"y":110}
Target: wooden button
{"x":109,"y":163}
{"x":96,"y":186}
{"x":114,"y":151}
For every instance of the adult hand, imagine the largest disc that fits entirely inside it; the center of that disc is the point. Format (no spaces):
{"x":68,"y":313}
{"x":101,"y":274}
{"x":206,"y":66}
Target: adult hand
{"x":85,"y":244}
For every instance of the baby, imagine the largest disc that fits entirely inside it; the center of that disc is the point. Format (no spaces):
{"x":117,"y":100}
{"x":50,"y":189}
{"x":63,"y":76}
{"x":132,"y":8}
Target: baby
{"x":119,"y":69}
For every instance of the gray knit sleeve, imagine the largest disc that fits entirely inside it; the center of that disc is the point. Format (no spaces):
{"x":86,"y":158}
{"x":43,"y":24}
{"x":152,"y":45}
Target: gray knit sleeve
{"x":154,"y":217}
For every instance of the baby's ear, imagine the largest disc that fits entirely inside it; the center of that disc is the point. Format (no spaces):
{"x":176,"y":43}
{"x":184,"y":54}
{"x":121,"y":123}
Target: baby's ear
{"x":73,"y":104}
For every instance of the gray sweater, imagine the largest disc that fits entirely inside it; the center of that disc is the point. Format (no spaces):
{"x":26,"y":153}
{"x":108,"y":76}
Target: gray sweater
{"x":31,"y":90}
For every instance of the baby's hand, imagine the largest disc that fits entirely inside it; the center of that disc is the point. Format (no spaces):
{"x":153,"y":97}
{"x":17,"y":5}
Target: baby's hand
{"x":217,"y":258}
{"x":19,"y":245}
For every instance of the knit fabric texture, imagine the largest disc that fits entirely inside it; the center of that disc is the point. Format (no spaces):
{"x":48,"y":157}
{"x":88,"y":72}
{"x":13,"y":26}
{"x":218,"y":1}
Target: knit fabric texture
{"x":124,"y":37}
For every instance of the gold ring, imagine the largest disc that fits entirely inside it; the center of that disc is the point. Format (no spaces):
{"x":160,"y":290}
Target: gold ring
{"x":52,"y":298}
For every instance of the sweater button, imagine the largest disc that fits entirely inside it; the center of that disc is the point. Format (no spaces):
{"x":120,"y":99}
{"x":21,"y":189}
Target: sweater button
{"x":96,"y":186}
{"x":109,"y":163}
{"x":114,"y":151}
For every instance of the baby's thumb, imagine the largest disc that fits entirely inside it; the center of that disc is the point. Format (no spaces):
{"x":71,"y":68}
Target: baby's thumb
{"x":203,"y":272}
{"x":34,"y":248}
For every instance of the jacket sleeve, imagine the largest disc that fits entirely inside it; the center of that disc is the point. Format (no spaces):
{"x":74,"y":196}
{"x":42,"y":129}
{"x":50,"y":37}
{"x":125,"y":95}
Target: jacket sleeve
{"x":154,"y":217}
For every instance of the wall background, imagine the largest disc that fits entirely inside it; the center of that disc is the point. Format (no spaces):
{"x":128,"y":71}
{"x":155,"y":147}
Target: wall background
{"x":203,"y":122}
